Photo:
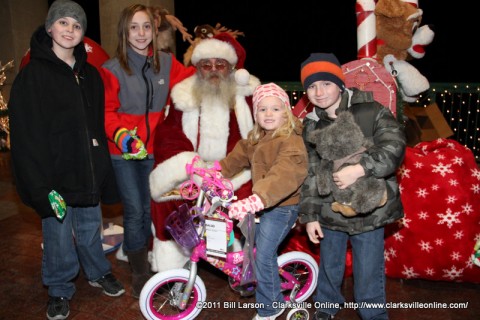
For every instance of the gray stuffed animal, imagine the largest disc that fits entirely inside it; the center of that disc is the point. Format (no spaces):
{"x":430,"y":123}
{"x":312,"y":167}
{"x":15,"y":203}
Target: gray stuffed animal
{"x":341,"y":144}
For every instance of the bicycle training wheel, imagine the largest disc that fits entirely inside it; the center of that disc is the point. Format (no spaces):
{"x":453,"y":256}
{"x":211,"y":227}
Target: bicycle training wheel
{"x":298,"y":314}
{"x":161,"y":294}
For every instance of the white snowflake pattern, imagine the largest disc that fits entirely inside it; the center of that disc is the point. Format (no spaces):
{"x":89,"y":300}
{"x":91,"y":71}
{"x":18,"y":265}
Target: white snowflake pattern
{"x":439,"y":242}
{"x":441,"y":168}
{"x":418,"y":165}
{"x":456,"y":255}
{"x":392,"y":252}
{"x":88,"y":48}
{"x":386,"y":255}
{"x":397,"y":236}
{"x":475,"y":188}
{"x":453,"y":182}
{"x":453,"y":273}
{"x":430,"y":271}
{"x":451,"y":145}
{"x":425,"y":246}
{"x":404,"y":172}
{"x":404,"y":222}
{"x":409,"y":273}
{"x":435,"y":187}
{"x":440,"y":156}
{"x":458,"y":235}
{"x":458,"y":160}
{"x":451,"y":199}
{"x":423,"y":215}
{"x":422,"y":193}
{"x":470,"y":264}
{"x":467,"y":209}
{"x":448,"y":218}
{"x":476,"y":173}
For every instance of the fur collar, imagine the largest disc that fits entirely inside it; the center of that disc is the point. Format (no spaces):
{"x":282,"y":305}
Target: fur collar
{"x":214,"y":120}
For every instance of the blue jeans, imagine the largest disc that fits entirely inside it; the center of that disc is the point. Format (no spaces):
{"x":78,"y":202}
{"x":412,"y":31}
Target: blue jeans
{"x":70,"y":244}
{"x":368,"y":271}
{"x":133,"y":186}
{"x":269,"y":234}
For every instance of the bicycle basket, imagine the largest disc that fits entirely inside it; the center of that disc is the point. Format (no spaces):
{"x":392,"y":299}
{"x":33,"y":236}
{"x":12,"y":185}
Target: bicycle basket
{"x":180,"y":225}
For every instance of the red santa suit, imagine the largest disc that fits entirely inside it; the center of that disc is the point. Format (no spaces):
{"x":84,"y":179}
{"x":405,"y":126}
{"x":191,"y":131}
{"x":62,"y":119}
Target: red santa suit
{"x":208,"y":128}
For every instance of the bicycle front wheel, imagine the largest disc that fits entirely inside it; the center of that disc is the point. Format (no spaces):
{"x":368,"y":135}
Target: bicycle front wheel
{"x":304,"y":268}
{"x":160,"y":296}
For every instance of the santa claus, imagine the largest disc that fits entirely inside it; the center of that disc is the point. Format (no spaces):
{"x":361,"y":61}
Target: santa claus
{"x":210,"y":112}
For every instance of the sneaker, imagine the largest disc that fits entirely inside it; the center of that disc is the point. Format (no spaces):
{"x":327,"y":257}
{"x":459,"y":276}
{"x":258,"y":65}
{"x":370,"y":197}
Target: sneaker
{"x":319,"y":315}
{"x":275,"y":316}
{"x":58,"y":308}
{"x":111,"y":286}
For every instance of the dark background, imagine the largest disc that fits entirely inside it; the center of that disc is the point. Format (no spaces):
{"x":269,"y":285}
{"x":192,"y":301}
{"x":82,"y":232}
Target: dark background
{"x":279,"y":37}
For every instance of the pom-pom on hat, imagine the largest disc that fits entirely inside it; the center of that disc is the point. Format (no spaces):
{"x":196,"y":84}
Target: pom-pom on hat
{"x":322,"y":67}
{"x":221,"y":46}
{"x":269,"y":90}
{"x":66,"y":8}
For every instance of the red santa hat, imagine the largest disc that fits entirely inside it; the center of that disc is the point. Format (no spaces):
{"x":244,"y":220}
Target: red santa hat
{"x":221,"y":46}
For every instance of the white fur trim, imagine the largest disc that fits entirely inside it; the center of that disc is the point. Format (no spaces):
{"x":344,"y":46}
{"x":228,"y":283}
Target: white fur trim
{"x":241,"y":178}
{"x":169,"y":174}
{"x":242,"y":77}
{"x":182,"y":96}
{"x":214,"y":48}
{"x":242,"y":109}
{"x":168,"y":255}
{"x":214,"y":132}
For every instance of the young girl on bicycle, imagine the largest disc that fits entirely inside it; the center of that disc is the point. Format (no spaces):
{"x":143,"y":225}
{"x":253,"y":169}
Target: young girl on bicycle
{"x":276,"y":154}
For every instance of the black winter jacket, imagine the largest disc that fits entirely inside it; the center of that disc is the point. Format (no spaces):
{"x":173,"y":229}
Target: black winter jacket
{"x":57,"y":128}
{"x":381,"y":161}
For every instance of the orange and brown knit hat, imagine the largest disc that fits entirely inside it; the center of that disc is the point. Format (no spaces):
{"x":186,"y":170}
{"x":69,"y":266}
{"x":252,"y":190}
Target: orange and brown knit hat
{"x":322,"y":67}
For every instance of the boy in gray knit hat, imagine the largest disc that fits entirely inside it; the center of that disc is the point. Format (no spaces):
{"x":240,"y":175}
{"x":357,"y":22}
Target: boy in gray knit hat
{"x":66,"y":8}
{"x":59,"y":96}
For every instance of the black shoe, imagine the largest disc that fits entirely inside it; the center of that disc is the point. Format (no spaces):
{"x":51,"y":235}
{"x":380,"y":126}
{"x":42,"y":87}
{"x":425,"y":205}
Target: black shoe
{"x":58,"y":308}
{"x":319,"y":315}
{"x":110,"y":285}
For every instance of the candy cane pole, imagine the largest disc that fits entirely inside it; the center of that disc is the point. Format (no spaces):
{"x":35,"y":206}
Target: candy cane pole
{"x":366,"y":29}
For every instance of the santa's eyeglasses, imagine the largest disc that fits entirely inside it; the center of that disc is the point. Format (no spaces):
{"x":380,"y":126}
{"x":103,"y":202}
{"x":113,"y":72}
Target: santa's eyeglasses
{"x":218,"y":64}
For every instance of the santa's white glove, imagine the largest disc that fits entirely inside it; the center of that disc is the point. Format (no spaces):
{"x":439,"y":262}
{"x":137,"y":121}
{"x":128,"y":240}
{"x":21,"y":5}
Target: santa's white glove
{"x":238,"y":210}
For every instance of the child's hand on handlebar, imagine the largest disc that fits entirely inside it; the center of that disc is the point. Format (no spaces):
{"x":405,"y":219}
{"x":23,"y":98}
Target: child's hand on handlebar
{"x":238,"y":210}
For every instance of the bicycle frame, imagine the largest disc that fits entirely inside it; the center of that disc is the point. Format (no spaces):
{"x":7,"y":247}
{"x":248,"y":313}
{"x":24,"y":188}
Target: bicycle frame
{"x":231,"y":265}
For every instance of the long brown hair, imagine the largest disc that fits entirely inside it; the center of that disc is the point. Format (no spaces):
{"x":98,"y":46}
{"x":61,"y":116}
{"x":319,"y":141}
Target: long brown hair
{"x":122,"y":33}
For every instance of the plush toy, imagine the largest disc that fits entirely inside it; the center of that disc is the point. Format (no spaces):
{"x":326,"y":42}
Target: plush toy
{"x":167,"y":24}
{"x":399,"y":39}
{"x":335,"y":144}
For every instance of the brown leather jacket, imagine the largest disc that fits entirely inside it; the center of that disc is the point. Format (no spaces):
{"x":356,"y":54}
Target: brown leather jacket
{"x":279,"y":166}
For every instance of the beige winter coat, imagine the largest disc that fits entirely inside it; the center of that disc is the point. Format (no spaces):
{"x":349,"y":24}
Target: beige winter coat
{"x":279,"y":166}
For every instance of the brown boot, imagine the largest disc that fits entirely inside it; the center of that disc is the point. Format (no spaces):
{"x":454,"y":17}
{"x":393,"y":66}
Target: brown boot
{"x":140,"y":270}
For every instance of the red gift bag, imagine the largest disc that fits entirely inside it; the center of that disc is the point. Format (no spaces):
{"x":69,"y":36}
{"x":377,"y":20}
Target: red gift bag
{"x":440,"y":191}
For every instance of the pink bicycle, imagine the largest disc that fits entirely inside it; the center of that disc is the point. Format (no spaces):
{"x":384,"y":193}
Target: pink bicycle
{"x":181,"y":294}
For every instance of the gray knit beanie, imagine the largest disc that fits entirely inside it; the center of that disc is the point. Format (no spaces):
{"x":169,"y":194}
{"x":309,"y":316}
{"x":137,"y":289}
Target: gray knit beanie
{"x":66,"y":8}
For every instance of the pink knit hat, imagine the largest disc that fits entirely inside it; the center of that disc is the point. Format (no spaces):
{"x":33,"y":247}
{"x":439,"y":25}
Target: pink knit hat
{"x":269,"y":90}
